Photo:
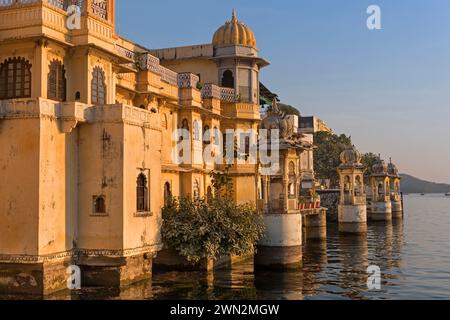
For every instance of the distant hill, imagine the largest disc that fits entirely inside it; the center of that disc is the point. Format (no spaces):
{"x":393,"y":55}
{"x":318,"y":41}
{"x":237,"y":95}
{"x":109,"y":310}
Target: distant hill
{"x":411,"y":184}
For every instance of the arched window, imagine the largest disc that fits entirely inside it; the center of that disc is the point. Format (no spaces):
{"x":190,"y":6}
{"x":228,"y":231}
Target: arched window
{"x":206,"y":135}
{"x":98,"y":86}
{"x":291,"y":188}
{"x":185,"y":124}
{"x":216,"y":136}
{"x":99,"y":205}
{"x":359,"y":186}
{"x":15,"y":78}
{"x":184,"y":132}
{"x":142,"y":193}
{"x":291,"y":168}
{"x":347,"y":184}
{"x":56,"y":81}
{"x":228,"y":79}
{"x":167,"y":193}
{"x":196,"y":131}
{"x":380,"y":189}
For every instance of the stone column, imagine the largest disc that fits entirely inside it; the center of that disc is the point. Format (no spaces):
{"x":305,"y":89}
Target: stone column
{"x":281,"y":247}
{"x":316,"y":225}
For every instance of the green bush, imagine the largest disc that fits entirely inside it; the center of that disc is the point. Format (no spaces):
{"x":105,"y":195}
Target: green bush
{"x":197,"y":229}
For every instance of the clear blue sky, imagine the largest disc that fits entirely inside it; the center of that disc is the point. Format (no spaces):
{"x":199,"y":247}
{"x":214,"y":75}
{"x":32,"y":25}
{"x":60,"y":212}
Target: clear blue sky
{"x":388,"y":89}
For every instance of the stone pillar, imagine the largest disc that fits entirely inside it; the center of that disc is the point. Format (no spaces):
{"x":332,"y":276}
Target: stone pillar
{"x":352,"y":218}
{"x":352,"y":211}
{"x":397,"y":209}
{"x":316,"y":224}
{"x":381,"y":207}
{"x":281,"y":247}
{"x":381,"y":211}
{"x":396,"y":196}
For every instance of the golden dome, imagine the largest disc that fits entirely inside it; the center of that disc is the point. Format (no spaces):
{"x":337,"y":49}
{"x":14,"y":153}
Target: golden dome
{"x":234,"y":33}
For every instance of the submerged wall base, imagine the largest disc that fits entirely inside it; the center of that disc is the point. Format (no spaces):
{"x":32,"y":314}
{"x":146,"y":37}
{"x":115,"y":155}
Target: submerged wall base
{"x":381,"y":211}
{"x":34,"y":279}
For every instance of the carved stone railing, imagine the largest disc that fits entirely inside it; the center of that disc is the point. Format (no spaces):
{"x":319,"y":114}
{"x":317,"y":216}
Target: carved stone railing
{"x":210,"y":90}
{"x":61,"y":4}
{"x":152,"y":63}
{"x":228,"y":94}
{"x":8,"y":3}
{"x":168,"y":76}
{"x":125,"y":52}
{"x":149,"y":62}
{"x":224,"y":94}
{"x":188,"y":80}
{"x":100,"y":8}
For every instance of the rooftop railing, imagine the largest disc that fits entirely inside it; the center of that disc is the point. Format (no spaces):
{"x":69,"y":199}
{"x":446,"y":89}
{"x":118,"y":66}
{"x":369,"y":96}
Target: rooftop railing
{"x":152,"y":63}
{"x":61,"y":4}
{"x":8,"y":3}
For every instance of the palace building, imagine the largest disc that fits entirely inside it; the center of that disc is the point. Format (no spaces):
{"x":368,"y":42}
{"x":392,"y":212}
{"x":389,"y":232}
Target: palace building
{"x":87,"y":121}
{"x":89,"y":149}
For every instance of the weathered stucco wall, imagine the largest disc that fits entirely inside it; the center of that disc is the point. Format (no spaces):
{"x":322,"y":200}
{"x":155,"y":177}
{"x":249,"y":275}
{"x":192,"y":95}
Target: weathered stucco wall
{"x":19,"y":187}
{"x":101,"y":174}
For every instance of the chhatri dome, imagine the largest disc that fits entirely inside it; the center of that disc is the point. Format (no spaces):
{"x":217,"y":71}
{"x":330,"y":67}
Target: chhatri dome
{"x":392,"y":169}
{"x":234,"y":33}
{"x":351,"y":156}
{"x":380,"y":167}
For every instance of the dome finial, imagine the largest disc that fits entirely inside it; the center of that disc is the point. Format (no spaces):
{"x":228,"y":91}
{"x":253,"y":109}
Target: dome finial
{"x":233,"y":16}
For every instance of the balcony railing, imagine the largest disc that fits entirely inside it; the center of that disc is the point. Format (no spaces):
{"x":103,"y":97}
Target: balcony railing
{"x":8,"y":3}
{"x":224,"y":94}
{"x":228,"y":94}
{"x":100,"y":8}
{"x":152,"y":63}
{"x":187,"y":80}
{"x":210,"y":91}
{"x":125,"y":52}
{"x":61,"y":4}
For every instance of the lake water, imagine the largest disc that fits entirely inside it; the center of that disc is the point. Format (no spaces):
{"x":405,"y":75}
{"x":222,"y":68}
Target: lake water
{"x":413,"y":255}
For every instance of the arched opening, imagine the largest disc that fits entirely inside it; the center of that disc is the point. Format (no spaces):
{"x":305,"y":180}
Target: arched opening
{"x":98,"y":86}
{"x":358,"y":187}
{"x":167,"y":193}
{"x":15,"y":78}
{"x":56,"y":81}
{"x":99,"y":205}
{"x":228,"y":79}
{"x":77,"y":96}
{"x":142,"y":193}
{"x":292,"y":178}
{"x":184,"y":130}
{"x":216,"y":136}
{"x":206,"y":135}
{"x":196,"y":131}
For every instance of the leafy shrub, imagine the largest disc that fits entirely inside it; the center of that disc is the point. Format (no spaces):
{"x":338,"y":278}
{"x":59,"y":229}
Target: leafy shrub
{"x":197,"y":229}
